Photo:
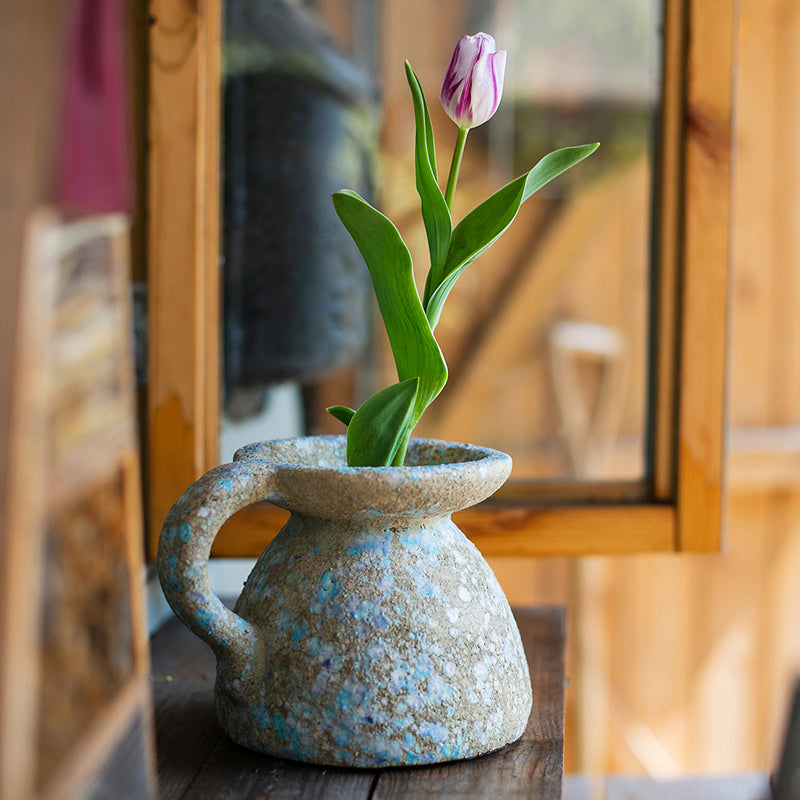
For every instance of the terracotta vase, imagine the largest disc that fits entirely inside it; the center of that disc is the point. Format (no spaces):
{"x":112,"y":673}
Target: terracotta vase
{"x":371,"y":632}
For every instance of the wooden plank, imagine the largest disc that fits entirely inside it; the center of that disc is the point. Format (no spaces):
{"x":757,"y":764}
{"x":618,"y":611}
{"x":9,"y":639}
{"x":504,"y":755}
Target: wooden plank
{"x":784,"y":327}
{"x":499,"y":530}
{"x":196,"y":760}
{"x":754,"y":321}
{"x":208,"y":221}
{"x":758,"y":459}
{"x":233,"y":773}
{"x":183,"y":671}
{"x":128,"y":769}
{"x":183,"y":230}
{"x":83,"y":647}
{"x":763,"y":377}
{"x":32,"y":35}
{"x":23,"y":519}
{"x":590,"y":662}
{"x":92,"y":751}
{"x":705,"y":275}
{"x":774,"y":676}
{"x":569,"y":531}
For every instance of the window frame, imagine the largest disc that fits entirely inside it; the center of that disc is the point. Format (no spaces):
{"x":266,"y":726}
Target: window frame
{"x":677,"y":506}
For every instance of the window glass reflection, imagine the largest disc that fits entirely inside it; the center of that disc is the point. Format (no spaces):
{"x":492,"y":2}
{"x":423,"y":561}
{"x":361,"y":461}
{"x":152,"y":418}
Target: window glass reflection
{"x":546,"y":334}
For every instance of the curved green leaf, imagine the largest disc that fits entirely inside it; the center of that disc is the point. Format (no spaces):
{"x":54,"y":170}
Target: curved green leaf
{"x":487,"y":222}
{"x":416,"y":351}
{"x":435,"y":213}
{"x":342,"y":413}
{"x":379,"y":426}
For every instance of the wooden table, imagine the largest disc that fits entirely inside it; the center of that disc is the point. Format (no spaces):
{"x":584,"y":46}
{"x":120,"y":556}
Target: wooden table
{"x":196,"y":760}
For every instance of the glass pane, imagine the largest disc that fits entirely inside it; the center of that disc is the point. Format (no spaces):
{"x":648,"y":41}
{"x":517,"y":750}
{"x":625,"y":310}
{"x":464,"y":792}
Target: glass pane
{"x":546,"y":334}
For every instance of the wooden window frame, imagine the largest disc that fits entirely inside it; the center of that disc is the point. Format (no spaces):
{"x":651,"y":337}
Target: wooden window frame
{"x":677,"y":506}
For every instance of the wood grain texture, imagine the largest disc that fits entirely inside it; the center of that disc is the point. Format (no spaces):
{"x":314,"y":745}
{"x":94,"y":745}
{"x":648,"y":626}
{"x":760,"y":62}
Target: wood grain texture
{"x":503,"y":530}
{"x":87,"y":646}
{"x":125,"y":719}
{"x":196,"y":760}
{"x":79,"y":650}
{"x":128,"y":769}
{"x":183,"y":247}
{"x":31,"y":35}
{"x":705,"y":274}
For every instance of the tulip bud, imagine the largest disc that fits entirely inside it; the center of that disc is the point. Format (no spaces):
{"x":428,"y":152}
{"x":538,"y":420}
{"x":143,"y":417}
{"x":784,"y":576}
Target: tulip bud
{"x":473,"y":84}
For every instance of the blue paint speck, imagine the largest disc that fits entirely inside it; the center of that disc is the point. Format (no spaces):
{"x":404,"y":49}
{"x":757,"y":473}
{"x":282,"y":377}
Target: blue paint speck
{"x":298,"y":630}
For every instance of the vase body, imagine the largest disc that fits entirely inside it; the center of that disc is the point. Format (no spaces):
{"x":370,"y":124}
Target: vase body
{"x":371,"y":632}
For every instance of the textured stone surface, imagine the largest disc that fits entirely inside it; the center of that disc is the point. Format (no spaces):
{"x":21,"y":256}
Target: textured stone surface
{"x":371,"y":632}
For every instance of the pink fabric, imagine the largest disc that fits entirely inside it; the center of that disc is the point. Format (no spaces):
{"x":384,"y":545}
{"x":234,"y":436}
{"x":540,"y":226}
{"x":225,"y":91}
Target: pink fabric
{"x":93,"y":170}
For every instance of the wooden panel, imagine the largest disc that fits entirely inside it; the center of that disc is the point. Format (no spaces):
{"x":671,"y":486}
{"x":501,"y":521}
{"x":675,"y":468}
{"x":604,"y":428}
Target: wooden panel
{"x":502,"y":531}
{"x":183,"y":234}
{"x":705,"y":275}
{"x":87,"y":641}
{"x":84,"y":653}
{"x":29,"y":27}
{"x":23,"y":518}
{"x":128,"y":769}
{"x":99,"y":765}
{"x":197,"y":761}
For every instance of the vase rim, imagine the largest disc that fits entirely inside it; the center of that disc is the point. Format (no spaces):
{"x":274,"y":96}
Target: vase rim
{"x":427,"y":449}
{"x":309,"y":475}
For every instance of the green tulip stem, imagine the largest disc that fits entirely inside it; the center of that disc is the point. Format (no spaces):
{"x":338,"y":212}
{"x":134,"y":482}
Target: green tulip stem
{"x":455,"y":166}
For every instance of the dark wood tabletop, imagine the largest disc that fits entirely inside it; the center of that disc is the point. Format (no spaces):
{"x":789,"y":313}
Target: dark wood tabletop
{"x":196,"y":760}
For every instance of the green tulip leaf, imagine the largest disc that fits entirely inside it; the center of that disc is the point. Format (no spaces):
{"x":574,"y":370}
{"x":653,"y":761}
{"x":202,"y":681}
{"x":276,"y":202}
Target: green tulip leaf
{"x":488,"y":221}
{"x":380,"y":425}
{"x":416,"y":351}
{"x":435,"y":213}
{"x":342,"y":413}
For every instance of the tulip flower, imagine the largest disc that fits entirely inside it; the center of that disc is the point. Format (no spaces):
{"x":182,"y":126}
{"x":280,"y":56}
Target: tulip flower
{"x":378,"y":432}
{"x":471,"y":92}
{"x":473,"y":84}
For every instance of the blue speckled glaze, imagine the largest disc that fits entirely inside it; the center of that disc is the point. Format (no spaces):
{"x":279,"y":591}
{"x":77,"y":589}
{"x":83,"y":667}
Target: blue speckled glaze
{"x":375,"y":638}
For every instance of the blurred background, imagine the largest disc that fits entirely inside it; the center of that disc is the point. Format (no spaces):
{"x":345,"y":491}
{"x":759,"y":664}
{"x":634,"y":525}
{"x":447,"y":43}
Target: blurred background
{"x":678,"y":663}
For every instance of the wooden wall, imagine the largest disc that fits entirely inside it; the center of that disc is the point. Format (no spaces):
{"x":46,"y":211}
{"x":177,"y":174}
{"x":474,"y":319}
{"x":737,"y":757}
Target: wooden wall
{"x":684,"y":663}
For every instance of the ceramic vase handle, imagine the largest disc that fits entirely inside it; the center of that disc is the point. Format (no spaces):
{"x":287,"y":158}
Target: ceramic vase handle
{"x":185,"y":546}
